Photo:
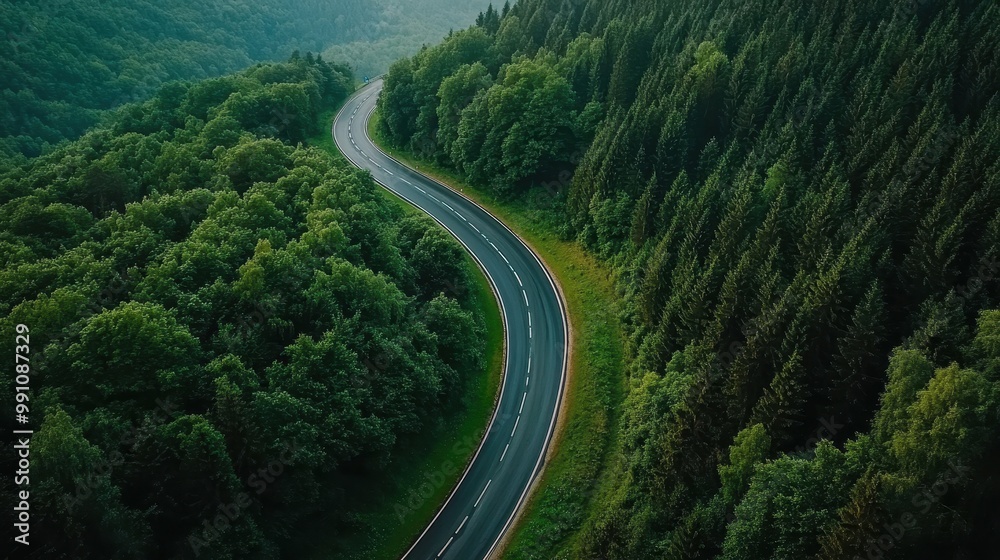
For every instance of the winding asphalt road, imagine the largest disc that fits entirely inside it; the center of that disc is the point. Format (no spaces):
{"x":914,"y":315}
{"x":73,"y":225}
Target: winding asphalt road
{"x":482,"y":507}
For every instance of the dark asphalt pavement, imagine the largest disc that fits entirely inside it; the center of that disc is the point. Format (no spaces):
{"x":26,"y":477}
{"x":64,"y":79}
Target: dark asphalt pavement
{"x":482,"y":506}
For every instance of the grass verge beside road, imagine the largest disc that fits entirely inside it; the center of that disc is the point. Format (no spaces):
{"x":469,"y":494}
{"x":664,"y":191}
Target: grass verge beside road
{"x":394,"y":507}
{"x":578,"y":471}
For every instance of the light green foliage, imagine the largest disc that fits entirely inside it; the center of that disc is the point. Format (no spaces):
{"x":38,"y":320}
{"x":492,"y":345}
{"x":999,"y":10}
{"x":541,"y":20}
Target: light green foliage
{"x":750,"y":448}
{"x":456,"y":93}
{"x":788,"y":502}
{"x":526,"y":121}
{"x":227,"y":301}
{"x":73,"y":478}
{"x":951,"y":419}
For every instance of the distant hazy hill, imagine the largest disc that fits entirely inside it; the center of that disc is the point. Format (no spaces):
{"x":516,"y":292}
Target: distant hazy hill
{"x":62,"y":62}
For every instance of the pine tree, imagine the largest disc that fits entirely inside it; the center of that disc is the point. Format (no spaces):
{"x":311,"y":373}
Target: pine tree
{"x":781,"y":407}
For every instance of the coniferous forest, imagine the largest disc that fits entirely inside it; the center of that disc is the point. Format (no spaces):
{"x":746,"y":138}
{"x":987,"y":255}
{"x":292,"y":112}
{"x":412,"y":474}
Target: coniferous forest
{"x":800,"y":202}
{"x":213,"y":305}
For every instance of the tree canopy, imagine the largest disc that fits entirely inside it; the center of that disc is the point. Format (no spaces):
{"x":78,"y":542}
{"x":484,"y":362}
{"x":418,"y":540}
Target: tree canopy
{"x":64,"y":64}
{"x":227,"y":326}
{"x":801,"y":206}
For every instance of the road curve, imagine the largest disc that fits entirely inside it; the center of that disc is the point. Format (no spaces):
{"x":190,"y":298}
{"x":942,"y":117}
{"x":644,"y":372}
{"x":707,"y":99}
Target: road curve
{"x":493,"y":488}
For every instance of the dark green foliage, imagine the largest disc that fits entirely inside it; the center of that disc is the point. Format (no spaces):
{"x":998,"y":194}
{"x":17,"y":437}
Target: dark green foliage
{"x":224,"y":322}
{"x":790,"y":193}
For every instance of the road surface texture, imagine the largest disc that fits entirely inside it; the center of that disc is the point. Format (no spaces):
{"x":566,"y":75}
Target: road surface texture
{"x":482,"y":507}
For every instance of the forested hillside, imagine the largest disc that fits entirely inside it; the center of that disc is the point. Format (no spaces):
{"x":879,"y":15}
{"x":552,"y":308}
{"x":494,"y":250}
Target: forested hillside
{"x":801,"y":202}
{"x":226,"y":327}
{"x":403,"y":28}
{"x":62,"y":62}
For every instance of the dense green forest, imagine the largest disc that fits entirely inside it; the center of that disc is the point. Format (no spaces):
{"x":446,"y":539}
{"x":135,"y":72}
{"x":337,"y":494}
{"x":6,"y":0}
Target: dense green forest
{"x":63,"y":62}
{"x":226,"y":326}
{"x":801,"y":204}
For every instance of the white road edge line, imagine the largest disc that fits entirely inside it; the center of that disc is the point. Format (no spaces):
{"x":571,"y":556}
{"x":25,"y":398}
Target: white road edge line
{"x":565,"y":360}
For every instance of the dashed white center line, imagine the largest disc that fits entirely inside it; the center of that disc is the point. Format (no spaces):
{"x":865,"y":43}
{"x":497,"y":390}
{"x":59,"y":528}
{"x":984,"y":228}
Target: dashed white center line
{"x":483,"y":493}
{"x":446,"y":545}
{"x":524,"y":294}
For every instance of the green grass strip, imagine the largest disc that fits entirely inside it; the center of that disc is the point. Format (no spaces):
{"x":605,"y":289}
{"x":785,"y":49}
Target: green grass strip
{"x":393,"y":508}
{"x":578,"y":473}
